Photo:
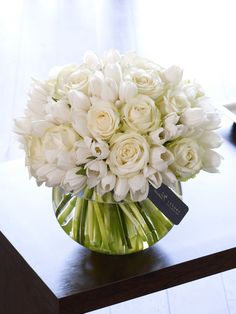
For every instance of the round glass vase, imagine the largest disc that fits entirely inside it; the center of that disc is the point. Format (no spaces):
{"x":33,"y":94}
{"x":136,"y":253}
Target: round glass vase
{"x":105,"y":226}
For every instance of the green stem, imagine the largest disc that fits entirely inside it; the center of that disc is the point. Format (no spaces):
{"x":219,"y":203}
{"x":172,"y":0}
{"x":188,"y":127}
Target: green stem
{"x":63,"y":202}
{"x":66,"y":210}
{"x":76,"y":219}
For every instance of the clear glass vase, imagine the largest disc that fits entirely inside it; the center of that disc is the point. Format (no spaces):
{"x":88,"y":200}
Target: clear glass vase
{"x":105,"y":226}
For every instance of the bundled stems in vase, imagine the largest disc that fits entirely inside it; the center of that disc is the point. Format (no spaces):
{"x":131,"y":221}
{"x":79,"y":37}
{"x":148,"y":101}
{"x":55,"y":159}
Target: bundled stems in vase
{"x":101,"y":224}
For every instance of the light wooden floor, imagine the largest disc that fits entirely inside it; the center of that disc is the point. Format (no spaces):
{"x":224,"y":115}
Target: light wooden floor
{"x":198,"y":35}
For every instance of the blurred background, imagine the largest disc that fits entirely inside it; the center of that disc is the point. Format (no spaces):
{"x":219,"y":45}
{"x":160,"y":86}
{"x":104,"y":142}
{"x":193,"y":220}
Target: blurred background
{"x":197,"y":35}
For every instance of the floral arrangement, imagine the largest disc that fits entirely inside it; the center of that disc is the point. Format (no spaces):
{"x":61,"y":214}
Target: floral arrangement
{"x":117,"y":124}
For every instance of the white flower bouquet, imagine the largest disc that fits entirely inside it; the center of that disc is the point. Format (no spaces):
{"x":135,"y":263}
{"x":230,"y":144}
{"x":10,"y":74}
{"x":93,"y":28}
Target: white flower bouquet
{"x":100,"y":133}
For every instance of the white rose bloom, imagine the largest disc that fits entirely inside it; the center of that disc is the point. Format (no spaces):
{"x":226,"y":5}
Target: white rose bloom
{"x":74,"y":182}
{"x":187,"y":158}
{"x":102,"y":120}
{"x":95,"y":171}
{"x":52,"y":155}
{"x":160,"y":158}
{"x":173,"y":75}
{"x":57,"y":140}
{"x":147,"y":82}
{"x":129,"y":154}
{"x":106,"y":184}
{"x":140,"y":114}
{"x":175,"y":100}
{"x":71,"y":77}
{"x":127,"y":91}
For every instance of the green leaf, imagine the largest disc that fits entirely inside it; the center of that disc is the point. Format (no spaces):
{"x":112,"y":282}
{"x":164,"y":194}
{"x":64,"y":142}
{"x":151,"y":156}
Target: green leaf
{"x":81,"y":172}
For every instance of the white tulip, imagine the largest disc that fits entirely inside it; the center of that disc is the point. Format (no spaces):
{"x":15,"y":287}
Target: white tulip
{"x":74,"y":182}
{"x":100,"y":149}
{"x":95,"y":170}
{"x":138,"y":188}
{"x":121,"y":189}
{"x":109,"y":90}
{"x":173,"y":75}
{"x":160,"y":158}
{"x":39,"y":128}
{"x":210,"y":139}
{"x":169,"y":178}
{"x":153,"y":176}
{"x":159,"y":136}
{"x":192,"y":117}
{"x":127,"y":91}
{"x":78,"y":100}
{"x":170,"y":124}
{"x":58,"y":111}
{"x":95,"y":84}
{"x":91,"y":60}
{"x":83,"y":152}
{"x":212,"y":120}
{"x":106,"y":184}
{"x":111,"y":56}
{"x":211,"y":160}
{"x":113,"y":71}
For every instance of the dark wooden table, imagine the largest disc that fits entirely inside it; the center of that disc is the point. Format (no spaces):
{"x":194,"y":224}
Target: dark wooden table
{"x":43,"y":271}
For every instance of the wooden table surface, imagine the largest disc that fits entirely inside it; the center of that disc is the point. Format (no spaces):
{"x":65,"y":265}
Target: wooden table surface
{"x":44,"y":271}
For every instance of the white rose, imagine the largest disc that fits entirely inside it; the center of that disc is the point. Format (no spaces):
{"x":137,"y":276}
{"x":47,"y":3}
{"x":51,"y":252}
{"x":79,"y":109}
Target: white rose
{"x":187,"y":158}
{"x":102,"y":120}
{"x":175,"y":100}
{"x":148,"y":82}
{"x":71,"y":77}
{"x":140,"y":114}
{"x":51,"y":156}
{"x":129,"y":154}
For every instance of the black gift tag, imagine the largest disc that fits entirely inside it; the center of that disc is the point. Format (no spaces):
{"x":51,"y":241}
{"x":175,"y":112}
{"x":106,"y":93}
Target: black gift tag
{"x":168,"y":203}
